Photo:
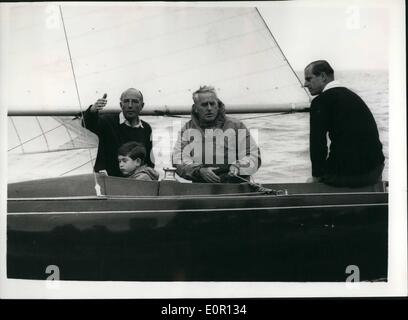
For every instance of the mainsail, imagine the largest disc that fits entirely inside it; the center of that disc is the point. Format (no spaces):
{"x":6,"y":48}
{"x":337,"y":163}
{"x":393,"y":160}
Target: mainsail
{"x":165,"y":51}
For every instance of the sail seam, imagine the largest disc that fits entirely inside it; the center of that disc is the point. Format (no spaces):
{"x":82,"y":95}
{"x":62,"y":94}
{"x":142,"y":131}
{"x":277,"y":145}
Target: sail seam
{"x":18,"y":135}
{"x":277,"y":44}
{"x":80,"y":166}
{"x":34,"y":138}
{"x":42,"y":133}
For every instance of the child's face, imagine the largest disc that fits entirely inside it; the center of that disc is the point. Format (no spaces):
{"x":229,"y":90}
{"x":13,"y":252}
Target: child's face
{"x":127,"y":165}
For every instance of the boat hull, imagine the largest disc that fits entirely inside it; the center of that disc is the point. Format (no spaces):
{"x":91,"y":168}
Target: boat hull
{"x":235,"y":237}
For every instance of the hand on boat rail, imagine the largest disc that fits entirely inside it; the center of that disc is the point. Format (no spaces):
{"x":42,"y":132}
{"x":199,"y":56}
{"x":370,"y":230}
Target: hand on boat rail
{"x":259,"y":188}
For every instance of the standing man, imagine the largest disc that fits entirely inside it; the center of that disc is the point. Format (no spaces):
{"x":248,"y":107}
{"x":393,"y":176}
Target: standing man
{"x":212,"y":147}
{"x":113,"y":130}
{"x":355,"y":157}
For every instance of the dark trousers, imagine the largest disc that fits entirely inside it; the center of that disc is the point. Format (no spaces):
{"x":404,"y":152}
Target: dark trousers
{"x":362,"y":180}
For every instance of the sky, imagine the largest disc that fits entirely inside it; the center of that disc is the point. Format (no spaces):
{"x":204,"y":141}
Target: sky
{"x":349,"y":36}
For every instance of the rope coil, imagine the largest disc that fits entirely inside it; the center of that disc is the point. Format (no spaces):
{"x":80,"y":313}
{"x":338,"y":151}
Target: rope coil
{"x":259,"y":188}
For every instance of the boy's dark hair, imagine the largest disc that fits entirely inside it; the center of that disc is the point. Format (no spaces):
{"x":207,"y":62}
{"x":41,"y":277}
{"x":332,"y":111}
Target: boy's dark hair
{"x":133,"y":150}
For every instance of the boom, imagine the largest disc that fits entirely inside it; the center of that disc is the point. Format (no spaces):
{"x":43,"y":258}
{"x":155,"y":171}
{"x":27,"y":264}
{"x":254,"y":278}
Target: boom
{"x":163,"y":110}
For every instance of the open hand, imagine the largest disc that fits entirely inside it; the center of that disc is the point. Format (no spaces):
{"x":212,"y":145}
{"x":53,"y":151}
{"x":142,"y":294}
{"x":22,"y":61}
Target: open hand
{"x":208,"y":175}
{"x":99,"y":104}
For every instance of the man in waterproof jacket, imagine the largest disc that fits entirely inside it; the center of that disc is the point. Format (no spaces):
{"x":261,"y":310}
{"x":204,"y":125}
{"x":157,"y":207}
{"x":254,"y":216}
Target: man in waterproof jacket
{"x":212,"y":147}
{"x":113,"y":130}
{"x":355,"y":158}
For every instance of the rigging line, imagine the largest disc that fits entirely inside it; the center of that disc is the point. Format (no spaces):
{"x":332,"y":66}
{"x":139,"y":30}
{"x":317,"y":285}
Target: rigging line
{"x":69,"y":171}
{"x":58,"y":150}
{"x":40,"y":24}
{"x":124,"y":24}
{"x":158,"y":36}
{"x":27,"y":48}
{"x":265,"y":116}
{"x":170,"y":53}
{"x":196,"y":66}
{"x":70,"y":136}
{"x":70,"y":59}
{"x":269,"y":89}
{"x":277,"y":44}
{"x":42,"y":133}
{"x":97,"y":186}
{"x":228,"y":79}
{"x":33,"y":138}
{"x":18,"y":135}
{"x":66,"y":128}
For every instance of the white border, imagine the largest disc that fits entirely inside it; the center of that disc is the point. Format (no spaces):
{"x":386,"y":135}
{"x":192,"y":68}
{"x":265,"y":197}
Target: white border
{"x":397,"y":284}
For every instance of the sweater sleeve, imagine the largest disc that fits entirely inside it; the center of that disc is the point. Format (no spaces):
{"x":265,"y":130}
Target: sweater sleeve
{"x":318,"y":138}
{"x":149,"y":148}
{"x":91,"y":121}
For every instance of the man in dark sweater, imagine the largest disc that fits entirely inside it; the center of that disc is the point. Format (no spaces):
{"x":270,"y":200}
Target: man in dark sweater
{"x":113,"y":130}
{"x":355,"y":158}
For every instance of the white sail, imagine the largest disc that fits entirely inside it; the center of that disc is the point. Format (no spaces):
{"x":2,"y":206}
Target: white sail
{"x":166,"y":52}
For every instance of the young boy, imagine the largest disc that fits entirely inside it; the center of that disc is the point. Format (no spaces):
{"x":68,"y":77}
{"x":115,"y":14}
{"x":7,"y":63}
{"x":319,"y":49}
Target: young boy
{"x":131,"y":158}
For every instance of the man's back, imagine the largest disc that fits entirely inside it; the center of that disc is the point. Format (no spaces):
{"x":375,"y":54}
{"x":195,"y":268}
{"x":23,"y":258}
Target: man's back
{"x":355,"y":146}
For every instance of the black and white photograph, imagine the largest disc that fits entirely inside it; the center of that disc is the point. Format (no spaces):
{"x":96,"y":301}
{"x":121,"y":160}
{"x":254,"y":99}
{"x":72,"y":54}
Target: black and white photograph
{"x":203,"y":149}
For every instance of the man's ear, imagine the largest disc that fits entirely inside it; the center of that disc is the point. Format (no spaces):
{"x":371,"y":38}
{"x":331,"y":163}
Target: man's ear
{"x":324,"y":76}
{"x":142,"y":106}
{"x":138,"y":162}
{"x":120,"y":103}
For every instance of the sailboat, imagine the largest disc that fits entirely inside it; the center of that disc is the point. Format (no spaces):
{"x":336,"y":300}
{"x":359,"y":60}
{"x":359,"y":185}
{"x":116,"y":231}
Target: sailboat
{"x":96,"y":227}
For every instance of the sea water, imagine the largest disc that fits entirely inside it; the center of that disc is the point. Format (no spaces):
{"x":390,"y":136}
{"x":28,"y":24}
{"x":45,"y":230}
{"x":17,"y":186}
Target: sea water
{"x":283,"y":139}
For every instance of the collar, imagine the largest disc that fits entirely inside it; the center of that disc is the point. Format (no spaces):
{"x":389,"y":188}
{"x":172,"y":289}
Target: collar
{"x":122,"y":119}
{"x":332,"y":84}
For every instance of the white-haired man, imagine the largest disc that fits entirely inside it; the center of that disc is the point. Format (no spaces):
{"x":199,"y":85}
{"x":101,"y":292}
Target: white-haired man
{"x":213,"y":147}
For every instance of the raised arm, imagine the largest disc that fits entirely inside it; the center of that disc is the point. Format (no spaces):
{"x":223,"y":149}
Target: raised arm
{"x":91,"y":115}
